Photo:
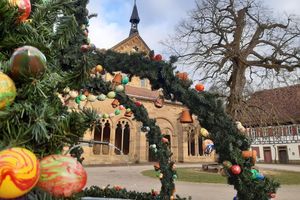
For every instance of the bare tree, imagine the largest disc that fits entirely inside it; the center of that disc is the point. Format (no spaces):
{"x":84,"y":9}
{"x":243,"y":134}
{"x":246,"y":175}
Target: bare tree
{"x":237,"y":41}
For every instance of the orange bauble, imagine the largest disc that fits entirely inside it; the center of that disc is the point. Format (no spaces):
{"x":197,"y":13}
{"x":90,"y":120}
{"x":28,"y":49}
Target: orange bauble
{"x":199,"y":87}
{"x":19,"y":172}
{"x":24,"y":8}
{"x":182,"y":76}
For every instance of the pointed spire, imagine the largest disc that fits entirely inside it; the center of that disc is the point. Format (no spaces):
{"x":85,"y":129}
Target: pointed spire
{"x":134,"y":20}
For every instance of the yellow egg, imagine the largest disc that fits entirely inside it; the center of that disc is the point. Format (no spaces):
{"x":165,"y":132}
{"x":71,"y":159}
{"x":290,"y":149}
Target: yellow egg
{"x":19,"y":172}
{"x":7,"y":90}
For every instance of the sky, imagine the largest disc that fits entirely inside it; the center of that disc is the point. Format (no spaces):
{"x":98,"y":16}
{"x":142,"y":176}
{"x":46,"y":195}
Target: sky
{"x":159,"y":19}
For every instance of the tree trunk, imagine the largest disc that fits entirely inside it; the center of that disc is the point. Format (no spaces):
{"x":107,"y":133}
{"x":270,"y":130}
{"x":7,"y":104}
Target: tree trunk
{"x":237,"y":83}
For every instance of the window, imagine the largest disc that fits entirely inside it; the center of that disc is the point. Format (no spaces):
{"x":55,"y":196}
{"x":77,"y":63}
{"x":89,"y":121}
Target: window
{"x":122,"y":137}
{"x":102,"y":134}
{"x":200,"y":147}
{"x":191,"y":142}
{"x":299,"y":149}
{"x":298,"y":130}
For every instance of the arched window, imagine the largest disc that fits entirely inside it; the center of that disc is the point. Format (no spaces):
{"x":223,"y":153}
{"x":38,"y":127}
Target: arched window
{"x":122,"y":137}
{"x":102,"y":133}
{"x":191,"y":142}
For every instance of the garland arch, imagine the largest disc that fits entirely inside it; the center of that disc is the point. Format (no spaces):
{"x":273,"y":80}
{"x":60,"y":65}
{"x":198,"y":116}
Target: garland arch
{"x":209,"y":109}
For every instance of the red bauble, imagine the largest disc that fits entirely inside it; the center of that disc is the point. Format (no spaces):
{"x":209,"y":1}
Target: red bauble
{"x":24,"y":8}
{"x":235,"y":169}
{"x":199,"y":87}
{"x":272,"y":195}
{"x":84,"y":48}
{"x":158,"y":57}
{"x":138,"y":103}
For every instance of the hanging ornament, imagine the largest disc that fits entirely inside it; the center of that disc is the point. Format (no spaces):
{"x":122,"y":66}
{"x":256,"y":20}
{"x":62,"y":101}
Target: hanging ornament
{"x":19,"y":172}
{"x":156,"y":166}
{"x":153,"y":146}
{"x":7,"y":90}
{"x":128,"y":112}
{"x":161,"y":175}
{"x":121,"y":107}
{"x":111,"y":95}
{"x":199,"y":87}
{"x":91,"y":98}
{"x":159,"y":101}
{"x":175,"y":177}
{"x":117,"y":80}
{"x":182,"y":76}
{"x":112,"y":115}
{"x":235,"y":169}
{"x":138,"y":103}
{"x":145,"y":129}
{"x":164,"y":140}
{"x":207,"y":146}
{"x":115,"y":103}
{"x":92,"y":46}
{"x":125,"y":80}
{"x":24,"y":8}
{"x":73,"y":94}
{"x":27,"y":62}
{"x":158,"y":57}
{"x":62,"y":176}
{"x":119,"y":88}
{"x":227,"y":164}
{"x":240,"y":127}
{"x":186,"y":117}
{"x":82,"y":97}
{"x":272,"y":195}
{"x":204,"y":132}
{"x":66,"y":90}
{"x":99,"y":68}
{"x":84,"y":48}
{"x":250,"y":154}
{"x":101,"y":97}
{"x":105,"y":116}
{"x":117,"y":112}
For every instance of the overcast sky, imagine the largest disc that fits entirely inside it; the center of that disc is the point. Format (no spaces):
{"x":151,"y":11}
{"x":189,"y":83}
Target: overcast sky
{"x":158,"y":19}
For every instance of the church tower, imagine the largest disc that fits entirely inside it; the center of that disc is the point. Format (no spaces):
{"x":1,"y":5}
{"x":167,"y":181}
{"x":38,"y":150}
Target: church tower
{"x":134,"y":42}
{"x":134,"y":20}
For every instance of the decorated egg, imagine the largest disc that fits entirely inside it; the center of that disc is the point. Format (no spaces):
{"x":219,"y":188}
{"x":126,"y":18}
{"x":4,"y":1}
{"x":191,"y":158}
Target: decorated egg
{"x":111,"y":95}
{"x":119,"y":88}
{"x":101,"y":97}
{"x":27,"y":61}
{"x":73,"y":94}
{"x":62,"y":176}
{"x":19,"y":172}
{"x":204,"y":132}
{"x":207,"y":146}
{"x":117,"y":112}
{"x":7,"y":90}
{"x":99,"y":68}
{"x":92,"y":98}
{"x":125,"y":80}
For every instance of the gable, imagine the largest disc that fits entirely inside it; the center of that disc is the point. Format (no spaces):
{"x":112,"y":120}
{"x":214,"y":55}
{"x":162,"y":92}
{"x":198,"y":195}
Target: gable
{"x":129,"y":43}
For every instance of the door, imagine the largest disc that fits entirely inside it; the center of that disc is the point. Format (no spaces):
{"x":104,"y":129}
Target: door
{"x":267,"y":155}
{"x":283,"y":155}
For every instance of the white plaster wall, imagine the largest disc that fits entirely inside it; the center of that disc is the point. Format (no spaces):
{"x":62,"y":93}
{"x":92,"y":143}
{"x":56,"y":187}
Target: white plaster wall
{"x":293,"y":151}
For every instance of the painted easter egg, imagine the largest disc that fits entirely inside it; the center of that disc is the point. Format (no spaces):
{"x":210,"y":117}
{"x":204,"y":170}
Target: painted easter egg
{"x":62,"y":176}
{"x":19,"y":172}
{"x":7,"y":90}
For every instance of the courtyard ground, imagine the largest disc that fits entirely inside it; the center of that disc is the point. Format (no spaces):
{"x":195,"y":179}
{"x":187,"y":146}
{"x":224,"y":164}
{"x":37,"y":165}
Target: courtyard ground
{"x":131,"y":178}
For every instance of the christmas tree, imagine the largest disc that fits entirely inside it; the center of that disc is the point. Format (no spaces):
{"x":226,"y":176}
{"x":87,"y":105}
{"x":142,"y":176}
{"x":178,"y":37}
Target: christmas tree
{"x":47,"y":60}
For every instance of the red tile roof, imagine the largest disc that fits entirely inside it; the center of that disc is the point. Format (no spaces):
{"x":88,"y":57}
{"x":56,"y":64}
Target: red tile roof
{"x":141,"y":92}
{"x":274,"y":106}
